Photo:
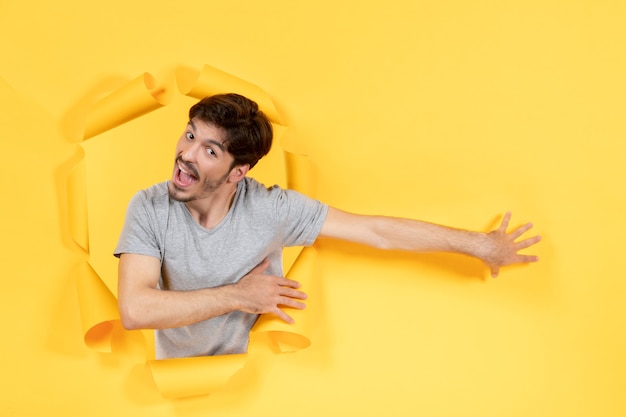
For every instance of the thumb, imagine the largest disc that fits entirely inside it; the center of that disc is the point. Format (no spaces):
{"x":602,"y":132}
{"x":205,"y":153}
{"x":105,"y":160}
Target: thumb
{"x":495,"y":271}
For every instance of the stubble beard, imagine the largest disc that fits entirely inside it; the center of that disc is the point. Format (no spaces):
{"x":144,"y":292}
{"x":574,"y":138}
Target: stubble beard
{"x":208,"y":187}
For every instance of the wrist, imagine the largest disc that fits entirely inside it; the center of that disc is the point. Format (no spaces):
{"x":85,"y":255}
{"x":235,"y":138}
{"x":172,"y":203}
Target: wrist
{"x":230,"y":295}
{"x":227,"y":297}
{"x":477,"y":245}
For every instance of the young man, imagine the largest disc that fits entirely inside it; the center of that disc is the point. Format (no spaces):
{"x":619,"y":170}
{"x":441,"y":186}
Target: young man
{"x":200,"y":254}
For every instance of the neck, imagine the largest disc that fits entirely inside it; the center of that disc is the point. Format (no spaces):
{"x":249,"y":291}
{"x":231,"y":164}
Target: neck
{"x":211,"y":210}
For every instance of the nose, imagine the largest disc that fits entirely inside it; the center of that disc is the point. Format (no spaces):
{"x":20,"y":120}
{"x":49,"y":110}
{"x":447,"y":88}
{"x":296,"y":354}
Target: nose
{"x":189,"y":150}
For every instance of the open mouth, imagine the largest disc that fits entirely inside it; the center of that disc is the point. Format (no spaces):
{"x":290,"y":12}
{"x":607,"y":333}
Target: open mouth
{"x":184,"y":176}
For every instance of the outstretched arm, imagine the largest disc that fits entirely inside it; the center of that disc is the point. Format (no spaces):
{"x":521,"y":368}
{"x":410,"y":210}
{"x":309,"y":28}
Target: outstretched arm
{"x":496,"y":248}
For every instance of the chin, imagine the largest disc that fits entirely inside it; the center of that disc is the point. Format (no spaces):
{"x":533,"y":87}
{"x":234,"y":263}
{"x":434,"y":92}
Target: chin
{"x":178,"y":194}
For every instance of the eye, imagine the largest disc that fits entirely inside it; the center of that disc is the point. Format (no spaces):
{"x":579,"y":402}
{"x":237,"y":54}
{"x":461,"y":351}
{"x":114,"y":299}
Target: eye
{"x":189,"y":135}
{"x":210,"y":151}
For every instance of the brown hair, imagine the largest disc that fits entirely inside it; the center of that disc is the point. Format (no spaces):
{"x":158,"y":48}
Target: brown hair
{"x":248,"y":131}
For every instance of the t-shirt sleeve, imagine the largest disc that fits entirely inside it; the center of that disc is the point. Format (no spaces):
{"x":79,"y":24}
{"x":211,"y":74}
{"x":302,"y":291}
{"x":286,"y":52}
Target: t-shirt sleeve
{"x":139,"y":234}
{"x":301,"y":217}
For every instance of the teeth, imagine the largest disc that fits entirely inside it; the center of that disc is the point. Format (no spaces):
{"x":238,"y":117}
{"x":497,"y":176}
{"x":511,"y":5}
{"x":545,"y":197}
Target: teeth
{"x":185,"y":171}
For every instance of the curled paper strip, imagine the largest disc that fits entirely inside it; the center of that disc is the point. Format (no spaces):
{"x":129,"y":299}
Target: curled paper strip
{"x":142,"y":95}
{"x":98,"y":308}
{"x":100,"y":316}
{"x":297,"y":336}
{"x":77,"y":205}
{"x":212,"y":81}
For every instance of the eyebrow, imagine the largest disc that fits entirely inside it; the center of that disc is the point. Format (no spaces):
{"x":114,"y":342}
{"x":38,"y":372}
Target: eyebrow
{"x":208,"y":141}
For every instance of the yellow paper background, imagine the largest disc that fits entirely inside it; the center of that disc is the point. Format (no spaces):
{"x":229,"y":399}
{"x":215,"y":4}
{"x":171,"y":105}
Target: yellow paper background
{"x":452,"y":111}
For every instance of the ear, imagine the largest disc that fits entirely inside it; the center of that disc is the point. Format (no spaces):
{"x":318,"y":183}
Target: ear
{"x":238,"y":173}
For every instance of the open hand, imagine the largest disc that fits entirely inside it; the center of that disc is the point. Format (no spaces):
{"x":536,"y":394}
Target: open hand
{"x":259,"y":293}
{"x":503,"y":249}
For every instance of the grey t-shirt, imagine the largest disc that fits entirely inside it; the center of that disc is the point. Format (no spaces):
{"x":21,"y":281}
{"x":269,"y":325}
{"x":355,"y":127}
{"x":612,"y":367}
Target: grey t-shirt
{"x":260,"y":222}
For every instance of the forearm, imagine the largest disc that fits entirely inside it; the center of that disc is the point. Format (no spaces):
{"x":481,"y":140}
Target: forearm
{"x":393,"y":233}
{"x":151,"y":308}
{"x":143,"y":305}
{"x":420,"y":236}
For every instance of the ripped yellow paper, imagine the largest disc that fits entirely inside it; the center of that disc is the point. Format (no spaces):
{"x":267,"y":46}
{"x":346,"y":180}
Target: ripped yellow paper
{"x":142,"y":95}
{"x":77,"y":205}
{"x":212,"y":81}
{"x":296,"y":336}
{"x":87,"y":194}
{"x":190,"y":377}
{"x":99,"y":312}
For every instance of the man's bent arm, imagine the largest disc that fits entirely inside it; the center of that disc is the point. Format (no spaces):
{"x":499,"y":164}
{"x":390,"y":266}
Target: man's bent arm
{"x":143,"y":306}
{"x":496,"y":248}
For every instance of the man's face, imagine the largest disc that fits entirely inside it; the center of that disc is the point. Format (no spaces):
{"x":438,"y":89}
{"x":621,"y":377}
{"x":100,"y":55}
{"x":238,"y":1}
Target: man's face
{"x":202,"y":164}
